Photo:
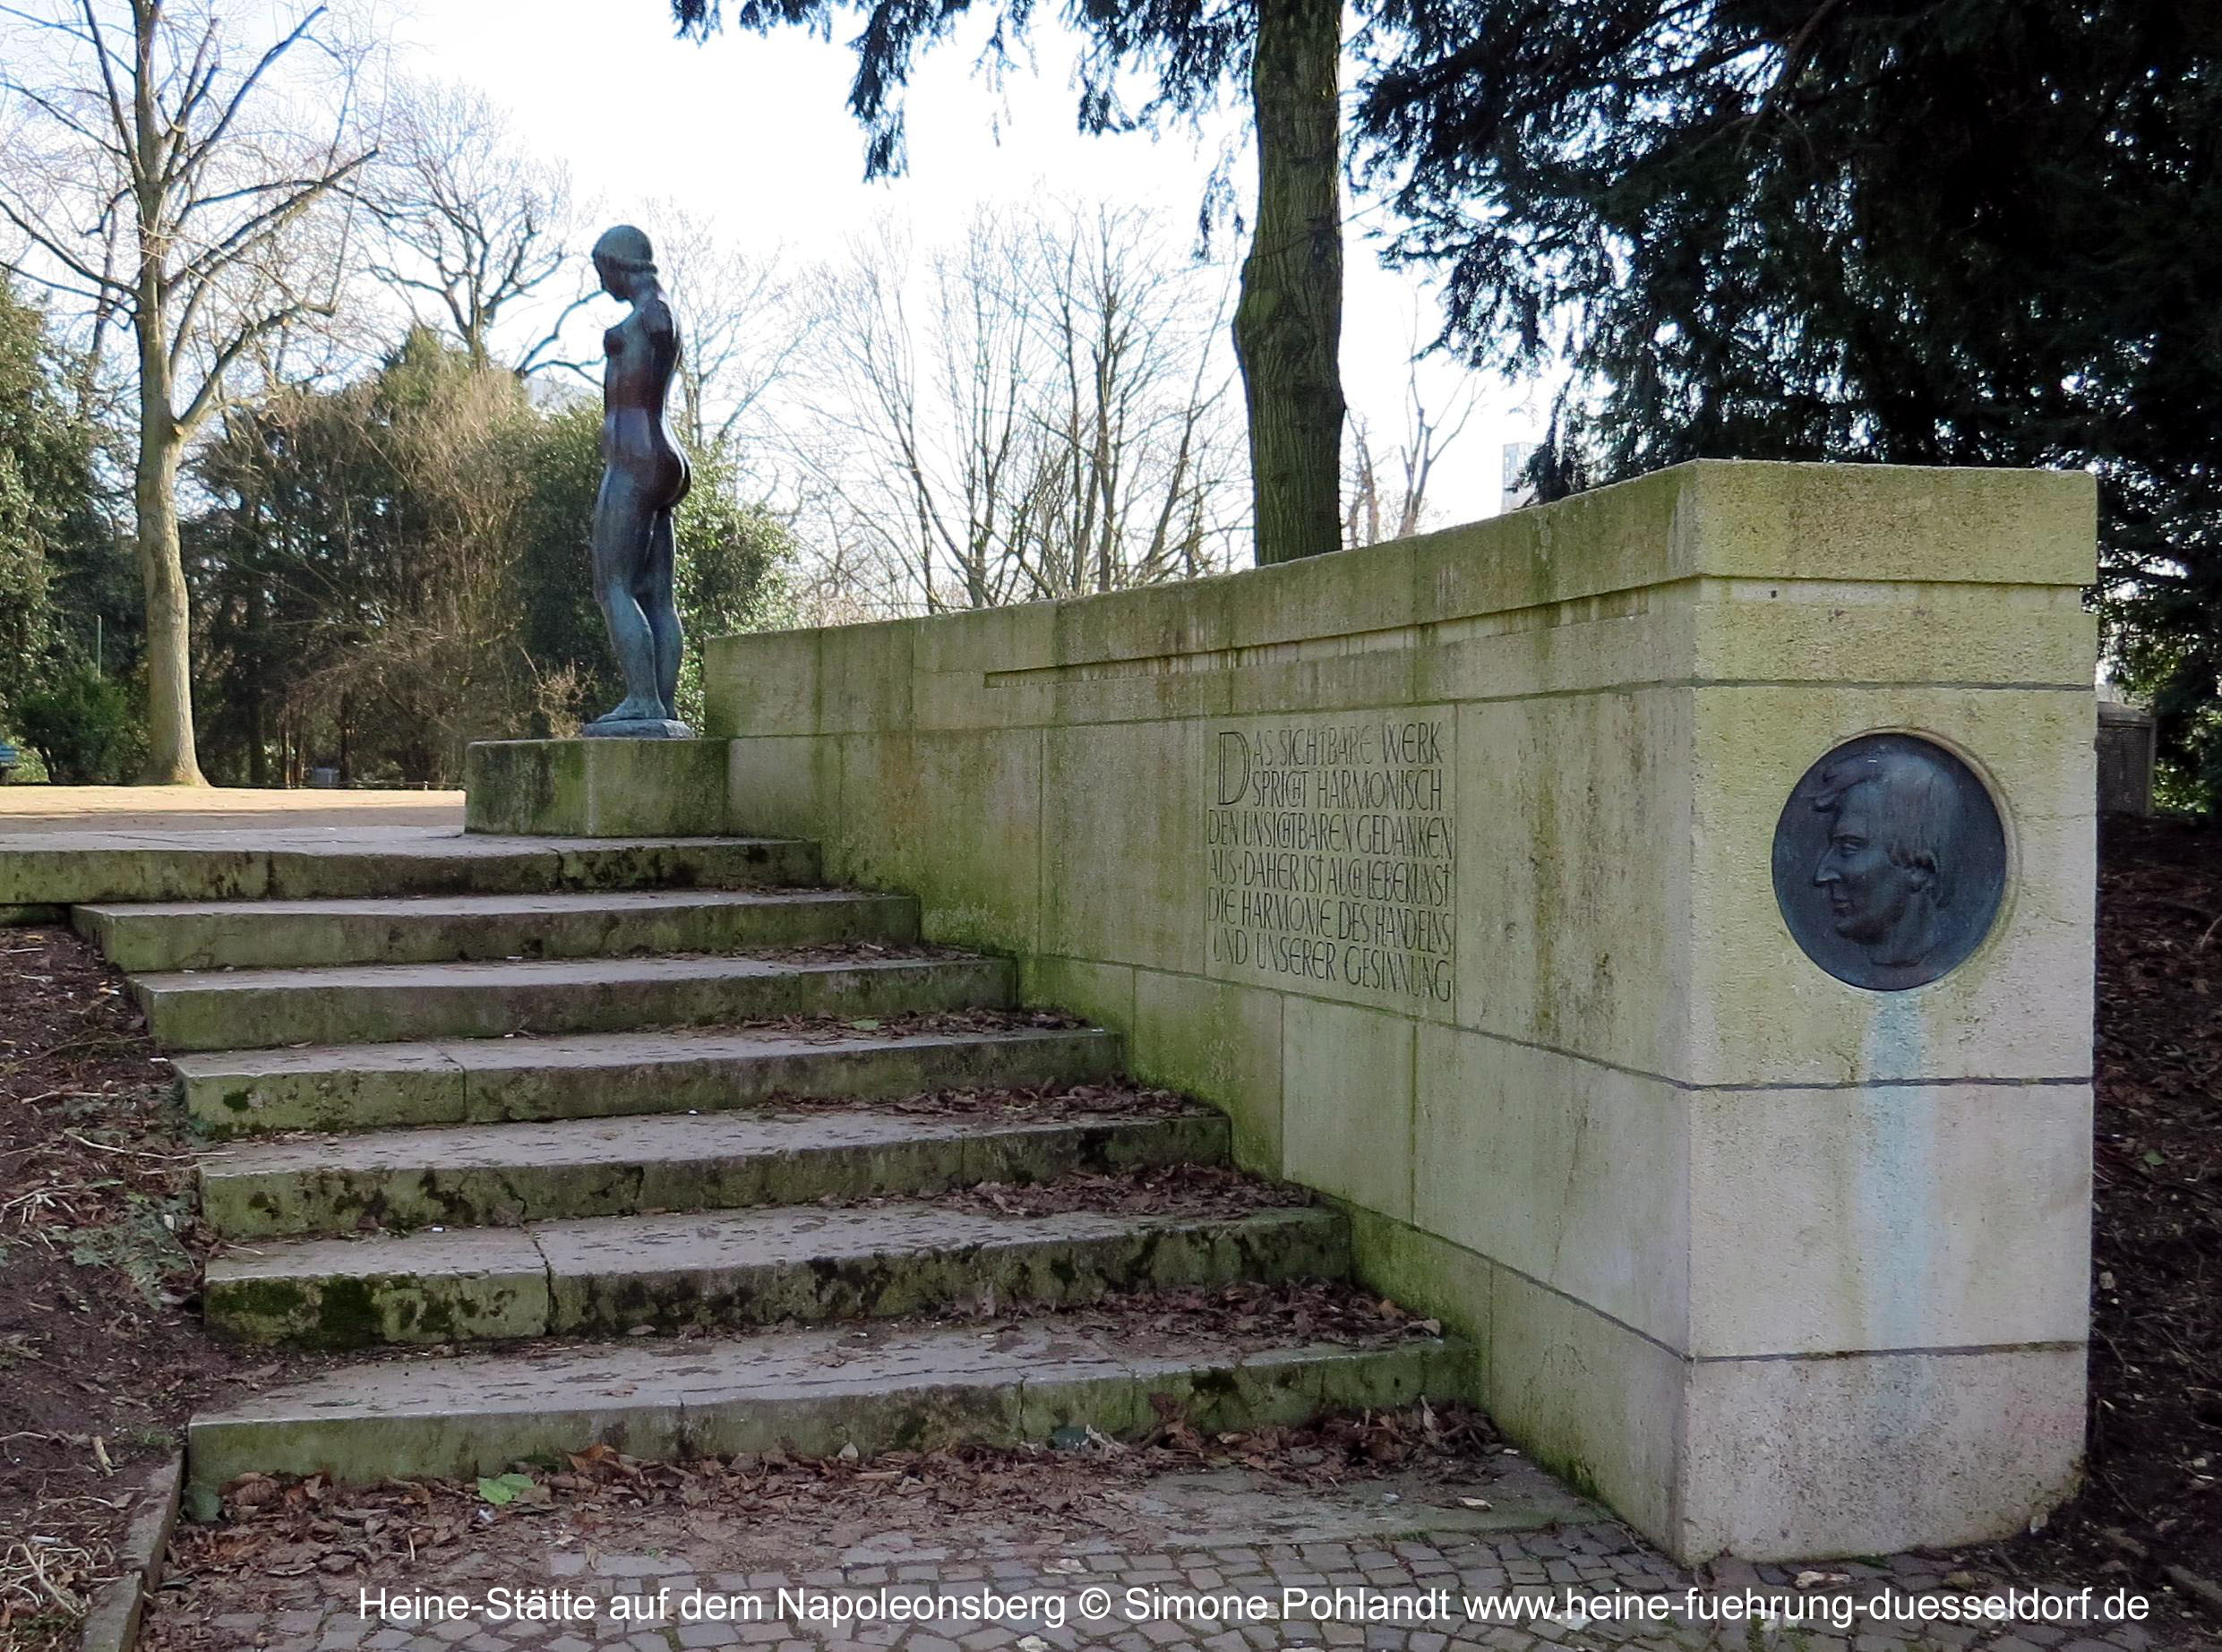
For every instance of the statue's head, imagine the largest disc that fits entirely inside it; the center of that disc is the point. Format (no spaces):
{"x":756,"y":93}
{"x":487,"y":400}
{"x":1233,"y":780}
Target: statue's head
{"x":1894,"y":817}
{"x":623,"y":259}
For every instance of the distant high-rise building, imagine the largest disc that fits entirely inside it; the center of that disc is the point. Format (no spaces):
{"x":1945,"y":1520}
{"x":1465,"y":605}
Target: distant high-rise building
{"x":1517,"y":489}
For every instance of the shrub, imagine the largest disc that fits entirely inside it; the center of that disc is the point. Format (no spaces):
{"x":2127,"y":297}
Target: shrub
{"x":80,"y":725}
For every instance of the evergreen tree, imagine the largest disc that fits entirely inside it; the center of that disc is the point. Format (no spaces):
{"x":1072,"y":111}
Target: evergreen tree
{"x":50,"y":534}
{"x":341,"y":585}
{"x":26,"y":616}
{"x":1940,"y":232}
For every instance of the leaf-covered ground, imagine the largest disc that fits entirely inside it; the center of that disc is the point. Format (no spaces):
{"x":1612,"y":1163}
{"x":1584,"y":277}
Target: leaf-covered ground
{"x":2156,"y":1419}
{"x":102,"y":1353}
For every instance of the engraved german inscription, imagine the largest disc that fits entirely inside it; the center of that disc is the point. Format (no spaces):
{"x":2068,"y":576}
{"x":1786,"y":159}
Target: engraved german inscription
{"x":1331,"y":858}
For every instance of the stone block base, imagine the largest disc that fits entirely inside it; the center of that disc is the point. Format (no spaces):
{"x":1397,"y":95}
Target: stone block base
{"x":1770,"y":1459}
{"x":596,"y":787}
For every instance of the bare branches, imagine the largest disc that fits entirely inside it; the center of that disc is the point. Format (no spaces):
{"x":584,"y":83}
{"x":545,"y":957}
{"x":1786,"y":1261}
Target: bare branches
{"x":1375,"y":509}
{"x":63,"y":251}
{"x":738,"y":312}
{"x":192,"y":152}
{"x":262,"y":227}
{"x":185,"y":216}
{"x":250,"y":333}
{"x":469,"y":221}
{"x":207,"y":199}
{"x":1040,"y":411}
{"x":540,"y":358}
{"x":105,"y":61}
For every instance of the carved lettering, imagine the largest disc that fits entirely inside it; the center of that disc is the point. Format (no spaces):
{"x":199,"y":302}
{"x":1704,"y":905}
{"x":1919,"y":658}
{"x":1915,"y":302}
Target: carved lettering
{"x":1331,"y":857}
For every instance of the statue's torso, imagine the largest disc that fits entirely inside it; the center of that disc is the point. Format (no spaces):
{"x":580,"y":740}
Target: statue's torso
{"x":640,"y":355}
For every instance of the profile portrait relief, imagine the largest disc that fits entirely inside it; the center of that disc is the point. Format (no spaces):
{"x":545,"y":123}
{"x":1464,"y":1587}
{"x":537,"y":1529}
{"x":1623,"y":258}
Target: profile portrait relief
{"x":1889,"y":861}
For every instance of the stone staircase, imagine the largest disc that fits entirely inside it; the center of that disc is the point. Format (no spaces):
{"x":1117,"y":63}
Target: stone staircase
{"x":668,"y":1129}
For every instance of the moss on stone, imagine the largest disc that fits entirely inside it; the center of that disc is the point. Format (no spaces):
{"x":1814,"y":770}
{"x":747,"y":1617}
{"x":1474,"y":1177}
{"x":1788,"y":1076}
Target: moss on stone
{"x":347,"y":1315}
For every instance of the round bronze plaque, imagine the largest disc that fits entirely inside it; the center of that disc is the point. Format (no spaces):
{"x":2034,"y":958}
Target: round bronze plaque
{"x":1889,"y":862}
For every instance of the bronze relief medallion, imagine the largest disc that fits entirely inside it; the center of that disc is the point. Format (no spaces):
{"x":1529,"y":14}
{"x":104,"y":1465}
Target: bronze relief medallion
{"x":1890,"y":863}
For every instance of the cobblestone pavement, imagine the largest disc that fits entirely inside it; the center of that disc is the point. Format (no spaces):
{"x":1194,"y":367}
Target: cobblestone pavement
{"x":1606,"y":1588}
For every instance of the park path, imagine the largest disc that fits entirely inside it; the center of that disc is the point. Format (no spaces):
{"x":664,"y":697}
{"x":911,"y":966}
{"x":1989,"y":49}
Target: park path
{"x":82,"y":810}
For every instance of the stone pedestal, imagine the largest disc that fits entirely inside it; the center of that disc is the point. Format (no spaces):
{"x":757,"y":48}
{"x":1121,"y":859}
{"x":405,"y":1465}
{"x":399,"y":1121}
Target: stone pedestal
{"x":2125,"y":759}
{"x":603,"y":787}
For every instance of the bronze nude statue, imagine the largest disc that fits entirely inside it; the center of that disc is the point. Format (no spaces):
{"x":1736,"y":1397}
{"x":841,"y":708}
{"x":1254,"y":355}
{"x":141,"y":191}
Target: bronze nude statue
{"x":644,"y":477}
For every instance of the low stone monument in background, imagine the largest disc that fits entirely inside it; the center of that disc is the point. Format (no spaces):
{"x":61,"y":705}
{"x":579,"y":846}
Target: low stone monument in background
{"x":2125,"y":759}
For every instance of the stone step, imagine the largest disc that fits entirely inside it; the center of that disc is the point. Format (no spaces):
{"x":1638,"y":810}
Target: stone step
{"x":610,"y":1074}
{"x":507,"y":1175}
{"x":364,"y":1004}
{"x":744,"y":1268}
{"x":811,"y":1391}
{"x":201,"y":935}
{"x":74,"y":869}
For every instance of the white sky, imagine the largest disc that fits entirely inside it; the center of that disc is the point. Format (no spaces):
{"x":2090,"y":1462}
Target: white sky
{"x":754,"y":133}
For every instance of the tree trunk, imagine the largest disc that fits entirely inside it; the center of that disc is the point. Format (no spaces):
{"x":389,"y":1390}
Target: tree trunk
{"x":258,"y":697}
{"x":171,"y":758}
{"x":1288,"y":327}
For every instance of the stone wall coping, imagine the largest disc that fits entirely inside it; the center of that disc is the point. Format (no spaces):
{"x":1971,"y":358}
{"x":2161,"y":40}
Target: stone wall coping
{"x":1707,"y":519}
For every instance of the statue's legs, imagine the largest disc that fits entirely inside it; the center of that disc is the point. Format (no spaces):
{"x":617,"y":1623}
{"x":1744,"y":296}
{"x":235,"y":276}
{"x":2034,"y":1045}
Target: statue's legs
{"x":623,"y":521}
{"x":658,"y":606}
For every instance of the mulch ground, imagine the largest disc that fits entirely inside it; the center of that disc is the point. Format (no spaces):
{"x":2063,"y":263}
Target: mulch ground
{"x":103,"y":1357}
{"x":2154,"y":1466}
{"x":102,"y":1352}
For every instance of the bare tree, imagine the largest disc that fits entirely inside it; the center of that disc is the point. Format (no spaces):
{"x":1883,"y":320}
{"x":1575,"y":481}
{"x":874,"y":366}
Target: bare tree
{"x":154,"y":194}
{"x":1036,"y":412}
{"x":918,"y":460}
{"x":472,"y":227}
{"x":1135,"y":421}
{"x":1376,"y":507}
{"x":739,"y":314}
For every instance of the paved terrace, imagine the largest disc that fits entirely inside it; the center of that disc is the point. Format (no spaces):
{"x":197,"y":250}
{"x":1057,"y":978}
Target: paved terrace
{"x":84,"y":811}
{"x":66,"y":845}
